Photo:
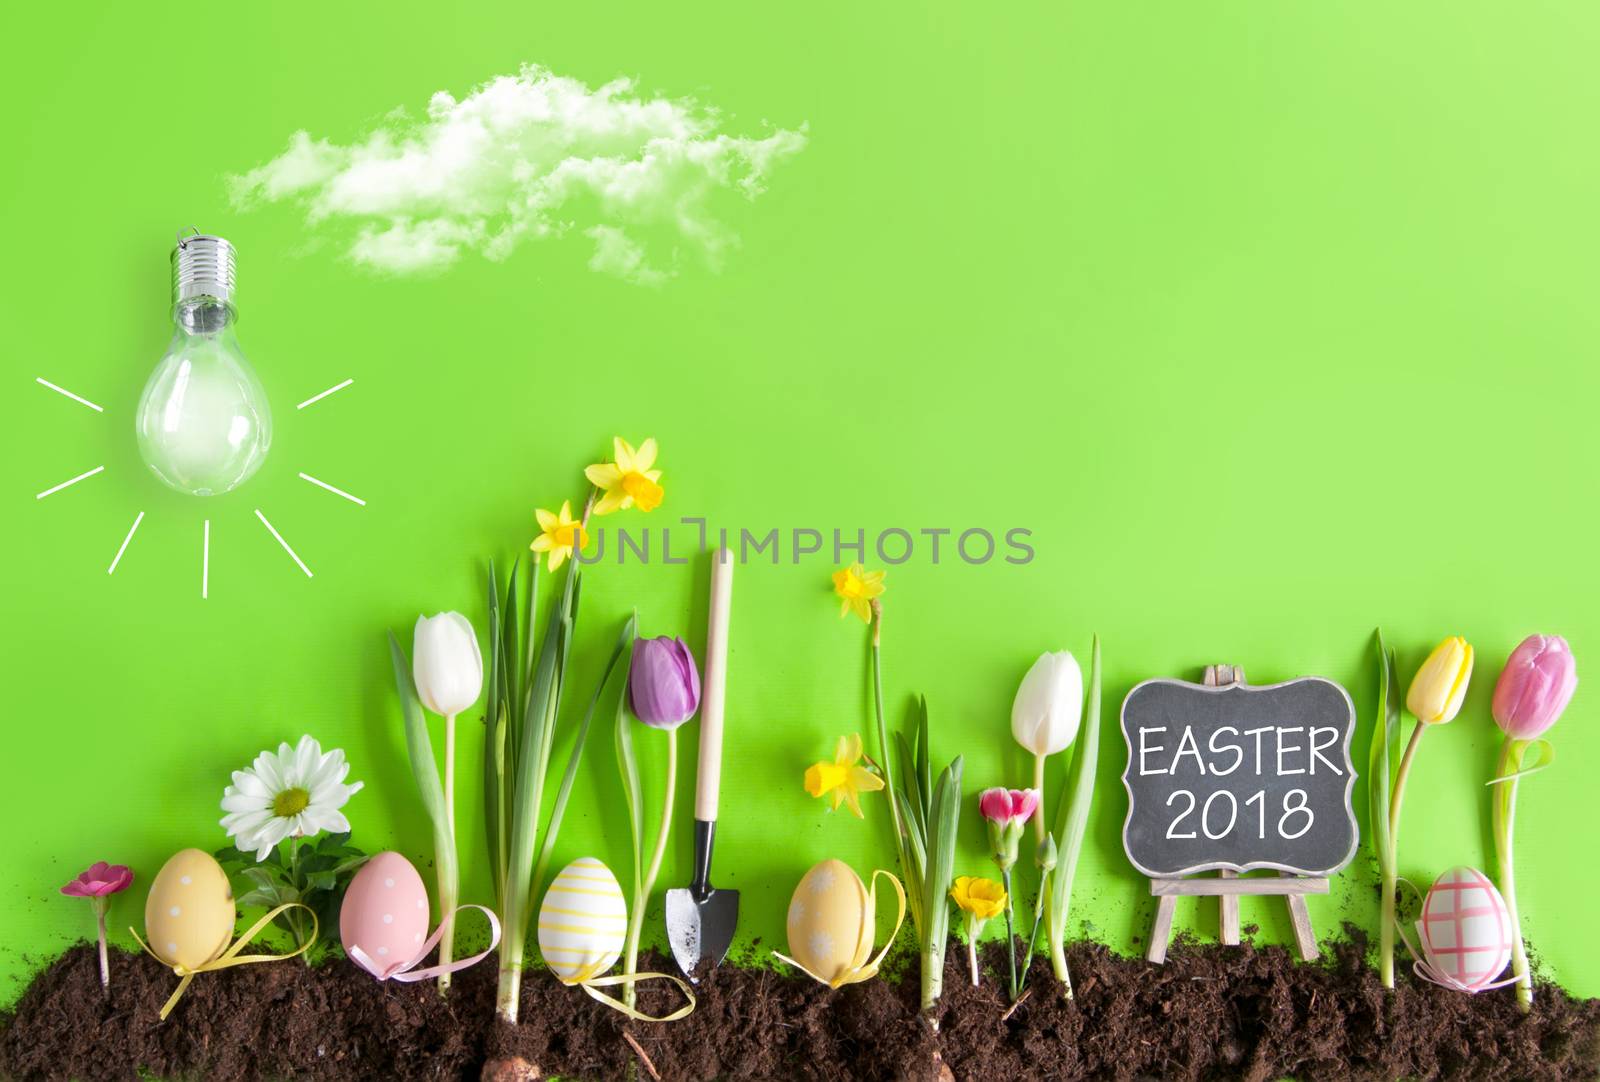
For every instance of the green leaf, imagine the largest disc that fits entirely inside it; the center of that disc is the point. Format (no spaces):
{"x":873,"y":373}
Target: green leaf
{"x":632,"y":796}
{"x":625,"y":639}
{"x":943,"y":817}
{"x":1380,"y":773}
{"x":532,"y":740}
{"x":493,"y":744}
{"x":924,"y":768}
{"x":423,"y":766}
{"x":1073,"y":816}
{"x":911,"y":805}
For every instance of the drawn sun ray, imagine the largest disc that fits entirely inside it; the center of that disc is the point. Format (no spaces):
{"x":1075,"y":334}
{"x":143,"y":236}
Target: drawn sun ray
{"x":82,"y":476}
{"x":325,"y":394}
{"x":274,"y":532}
{"x":115,"y":560}
{"x":62,"y":390}
{"x":357,"y":500}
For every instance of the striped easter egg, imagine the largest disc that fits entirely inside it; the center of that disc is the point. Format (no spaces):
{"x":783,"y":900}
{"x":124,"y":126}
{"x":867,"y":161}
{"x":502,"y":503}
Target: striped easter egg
{"x":583,"y":921}
{"x":1466,"y":929}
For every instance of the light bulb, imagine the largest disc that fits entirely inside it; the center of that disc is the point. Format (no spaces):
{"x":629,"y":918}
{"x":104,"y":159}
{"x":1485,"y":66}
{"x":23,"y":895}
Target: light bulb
{"x":204,"y":424}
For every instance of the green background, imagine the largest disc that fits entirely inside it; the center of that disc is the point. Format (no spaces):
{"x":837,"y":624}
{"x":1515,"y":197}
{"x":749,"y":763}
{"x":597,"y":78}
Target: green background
{"x":1273,"y":322}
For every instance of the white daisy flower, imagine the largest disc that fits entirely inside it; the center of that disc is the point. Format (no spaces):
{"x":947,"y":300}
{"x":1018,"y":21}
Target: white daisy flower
{"x":291,"y":793}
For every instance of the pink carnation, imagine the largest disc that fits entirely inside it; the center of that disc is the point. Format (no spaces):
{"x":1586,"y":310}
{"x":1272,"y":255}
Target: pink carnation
{"x":1006,"y":806}
{"x":99,"y":880}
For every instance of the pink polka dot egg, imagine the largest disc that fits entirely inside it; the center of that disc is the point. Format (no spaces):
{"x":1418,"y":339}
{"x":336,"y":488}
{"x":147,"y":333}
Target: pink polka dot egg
{"x":1466,"y":930}
{"x":385,"y":912}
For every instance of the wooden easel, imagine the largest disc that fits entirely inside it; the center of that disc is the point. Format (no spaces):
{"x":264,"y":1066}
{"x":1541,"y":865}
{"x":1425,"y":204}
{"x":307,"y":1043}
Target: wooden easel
{"x":1228,"y":886}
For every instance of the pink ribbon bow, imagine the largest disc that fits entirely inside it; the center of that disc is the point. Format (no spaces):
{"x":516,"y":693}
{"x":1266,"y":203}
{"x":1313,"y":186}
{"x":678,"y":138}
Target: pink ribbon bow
{"x":406,"y":971}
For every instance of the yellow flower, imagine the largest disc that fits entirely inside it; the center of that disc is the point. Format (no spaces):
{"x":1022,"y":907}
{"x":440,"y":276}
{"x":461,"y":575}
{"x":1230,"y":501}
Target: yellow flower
{"x":856,"y":587}
{"x":1440,"y":685}
{"x":559,"y":533}
{"x":629,"y":480}
{"x":844,"y":779}
{"x":983,"y":898}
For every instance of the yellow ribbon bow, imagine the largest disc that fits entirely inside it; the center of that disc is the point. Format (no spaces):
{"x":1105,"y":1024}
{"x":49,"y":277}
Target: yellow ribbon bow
{"x":231,"y":956}
{"x":867,"y":970}
{"x":586,"y":979}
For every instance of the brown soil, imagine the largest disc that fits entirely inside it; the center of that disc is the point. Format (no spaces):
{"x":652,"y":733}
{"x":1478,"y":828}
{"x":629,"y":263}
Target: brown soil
{"x":1210,"y":1012}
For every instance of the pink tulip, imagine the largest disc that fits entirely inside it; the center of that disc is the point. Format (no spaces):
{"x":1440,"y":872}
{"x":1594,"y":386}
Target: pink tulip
{"x":1534,"y":687}
{"x":1004,"y":807}
{"x":99,"y":880}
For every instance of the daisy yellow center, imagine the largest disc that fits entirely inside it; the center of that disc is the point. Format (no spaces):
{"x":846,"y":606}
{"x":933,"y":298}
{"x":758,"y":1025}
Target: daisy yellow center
{"x":290,"y":802}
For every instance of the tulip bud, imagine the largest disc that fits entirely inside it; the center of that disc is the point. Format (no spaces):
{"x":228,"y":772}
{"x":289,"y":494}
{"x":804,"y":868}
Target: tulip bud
{"x":1008,"y":812}
{"x":446,"y":664}
{"x":1535,"y":686}
{"x":663,"y":683}
{"x":1440,"y":685}
{"x":1049,"y":704}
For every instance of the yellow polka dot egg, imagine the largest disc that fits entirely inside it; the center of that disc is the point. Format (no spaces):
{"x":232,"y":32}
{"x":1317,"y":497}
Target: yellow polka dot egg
{"x":830,"y":922}
{"x":189,"y":913}
{"x":583,"y":921}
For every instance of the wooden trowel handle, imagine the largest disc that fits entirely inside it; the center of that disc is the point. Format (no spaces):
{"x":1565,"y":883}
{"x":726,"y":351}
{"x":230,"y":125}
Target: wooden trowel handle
{"x":709,"y":772}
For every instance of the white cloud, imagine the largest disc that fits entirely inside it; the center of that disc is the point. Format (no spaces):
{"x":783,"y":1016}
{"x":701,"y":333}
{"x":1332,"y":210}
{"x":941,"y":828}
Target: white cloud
{"x":530,"y":156}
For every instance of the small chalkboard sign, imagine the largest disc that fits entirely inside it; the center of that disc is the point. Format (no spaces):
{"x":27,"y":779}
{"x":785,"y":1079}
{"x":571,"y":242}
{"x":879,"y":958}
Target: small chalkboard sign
{"x":1229,"y":777}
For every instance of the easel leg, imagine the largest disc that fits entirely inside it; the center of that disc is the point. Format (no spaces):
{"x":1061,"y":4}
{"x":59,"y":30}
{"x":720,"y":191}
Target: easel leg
{"x":1228,"y":904}
{"x":1161,"y":929}
{"x":1304,"y":937}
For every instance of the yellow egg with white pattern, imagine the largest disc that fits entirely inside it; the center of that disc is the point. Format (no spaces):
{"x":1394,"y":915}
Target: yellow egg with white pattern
{"x":583,"y":922}
{"x":189,"y":912}
{"x":830,"y":921}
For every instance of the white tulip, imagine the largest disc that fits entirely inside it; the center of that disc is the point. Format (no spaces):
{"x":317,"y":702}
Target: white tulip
{"x":446,"y":663}
{"x":1049,"y":704}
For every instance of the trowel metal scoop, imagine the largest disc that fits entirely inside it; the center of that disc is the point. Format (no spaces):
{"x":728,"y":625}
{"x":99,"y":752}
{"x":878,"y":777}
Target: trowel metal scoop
{"x":701,"y":918}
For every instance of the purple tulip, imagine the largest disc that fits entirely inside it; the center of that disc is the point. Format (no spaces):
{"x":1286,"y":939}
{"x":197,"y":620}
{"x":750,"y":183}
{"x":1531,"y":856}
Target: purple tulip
{"x":1535,"y":686}
{"x":663,"y":683}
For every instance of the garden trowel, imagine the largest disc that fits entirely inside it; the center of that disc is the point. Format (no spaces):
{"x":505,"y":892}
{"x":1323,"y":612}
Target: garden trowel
{"x":701,"y":918}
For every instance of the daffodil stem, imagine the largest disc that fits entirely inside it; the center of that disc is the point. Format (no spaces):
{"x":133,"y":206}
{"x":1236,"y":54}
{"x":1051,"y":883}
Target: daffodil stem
{"x":101,"y":904}
{"x":641,"y":896}
{"x":1504,"y":806}
{"x":448,"y":884}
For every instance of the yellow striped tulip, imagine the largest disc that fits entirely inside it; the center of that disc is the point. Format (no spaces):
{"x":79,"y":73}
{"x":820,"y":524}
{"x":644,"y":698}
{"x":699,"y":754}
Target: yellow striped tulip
{"x":1440,"y":685}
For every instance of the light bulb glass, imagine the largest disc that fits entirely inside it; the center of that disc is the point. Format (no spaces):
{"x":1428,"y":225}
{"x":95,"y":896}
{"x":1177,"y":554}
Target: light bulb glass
{"x":204,"y":424}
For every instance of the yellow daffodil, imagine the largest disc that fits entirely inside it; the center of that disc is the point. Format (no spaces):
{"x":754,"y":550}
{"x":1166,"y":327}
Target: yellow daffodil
{"x":983,"y":898}
{"x":979,"y":899}
{"x":628,"y":480}
{"x":844,"y":779}
{"x":560,"y":532}
{"x":856,"y":587}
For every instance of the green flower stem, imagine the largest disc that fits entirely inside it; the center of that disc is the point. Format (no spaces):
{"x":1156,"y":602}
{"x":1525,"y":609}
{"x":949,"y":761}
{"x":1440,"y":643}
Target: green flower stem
{"x":1011,"y":942}
{"x":973,"y":928}
{"x":642,"y":896}
{"x":1400,"y":783}
{"x":1033,"y":936}
{"x":449,"y":877}
{"x":1505,"y":814}
{"x":101,"y":905}
{"x":1387,"y":924}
